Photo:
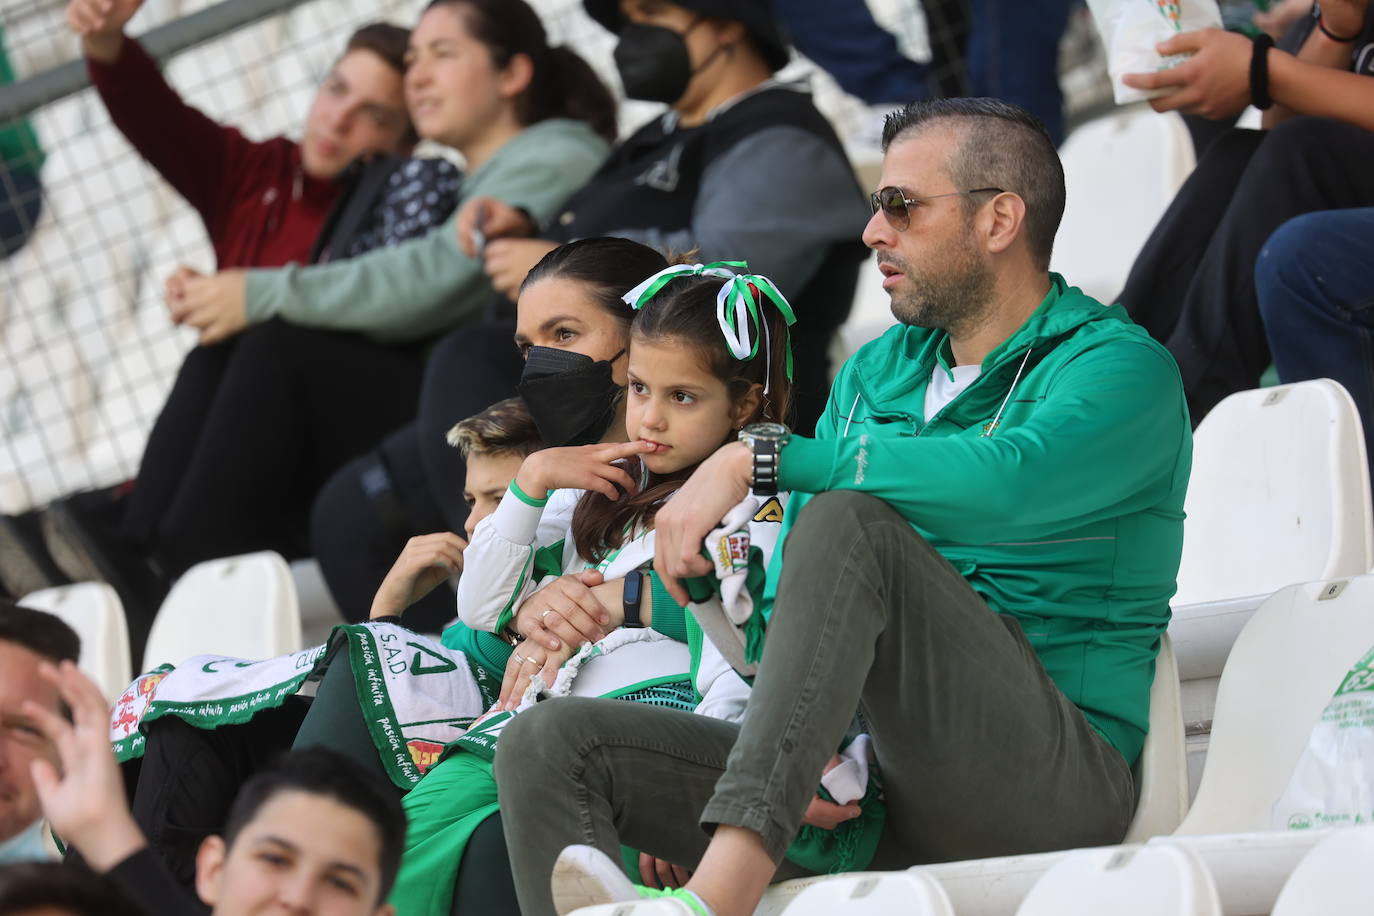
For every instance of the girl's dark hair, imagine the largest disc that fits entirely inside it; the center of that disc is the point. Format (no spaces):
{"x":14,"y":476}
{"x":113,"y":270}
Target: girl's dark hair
{"x":563,"y":85}
{"x":608,"y":268}
{"x":683,"y":314}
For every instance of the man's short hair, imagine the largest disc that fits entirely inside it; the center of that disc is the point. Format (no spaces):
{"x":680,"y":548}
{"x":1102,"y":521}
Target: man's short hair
{"x":33,"y":886}
{"x":503,"y":429}
{"x":1001,"y":145}
{"x":329,"y":774}
{"x":39,"y":632}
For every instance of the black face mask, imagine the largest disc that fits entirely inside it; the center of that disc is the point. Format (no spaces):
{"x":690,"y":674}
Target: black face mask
{"x":653,"y":62}
{"x":571,"y":397}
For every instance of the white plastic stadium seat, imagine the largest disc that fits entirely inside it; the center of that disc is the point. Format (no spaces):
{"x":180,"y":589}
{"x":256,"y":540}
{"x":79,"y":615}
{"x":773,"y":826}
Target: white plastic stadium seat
{"x":1333,"y":878}
{"x":94,"y":611}
{"x":1279,"y":494}
{"x":859,"y":893}
{"x":1283,"y":669}
{"x":1163,"y":768}
{"x":1134,"y":158}
{"x":244,"y":607}
{"x":660,"y":907}
{"x":1125,"y":881}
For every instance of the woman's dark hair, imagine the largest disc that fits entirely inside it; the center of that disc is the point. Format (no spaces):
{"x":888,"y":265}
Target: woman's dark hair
{"x":563,"y":84}
{"x":328,"y":773}
{"x":607,"y":267}
{"x":30,"y":886}
{"x":390,"y":43}
{"x":683,"y":315}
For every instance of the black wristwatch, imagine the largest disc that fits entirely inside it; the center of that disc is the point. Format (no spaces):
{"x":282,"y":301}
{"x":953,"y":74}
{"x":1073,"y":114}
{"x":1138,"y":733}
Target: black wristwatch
{"x":634,"y":594}
{"x":766,"y":441}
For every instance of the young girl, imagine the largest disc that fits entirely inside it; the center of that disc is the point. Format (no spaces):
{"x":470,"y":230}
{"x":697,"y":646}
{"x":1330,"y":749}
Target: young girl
{"x":572,"y":305}
{"x":708,"y":354}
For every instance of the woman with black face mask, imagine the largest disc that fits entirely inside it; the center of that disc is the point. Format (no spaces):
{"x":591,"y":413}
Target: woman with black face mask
{"x":740,"y":166}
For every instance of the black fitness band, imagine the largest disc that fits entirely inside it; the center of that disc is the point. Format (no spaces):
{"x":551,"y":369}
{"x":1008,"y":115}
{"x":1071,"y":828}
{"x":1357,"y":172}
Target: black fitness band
{"x":1259,"y":72}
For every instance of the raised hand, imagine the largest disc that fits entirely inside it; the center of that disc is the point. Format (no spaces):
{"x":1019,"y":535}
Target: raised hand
{"x":580,"y":467}
{"x":85,"y":801}
{"x":426,"y":561}
{"x":100,"y":23}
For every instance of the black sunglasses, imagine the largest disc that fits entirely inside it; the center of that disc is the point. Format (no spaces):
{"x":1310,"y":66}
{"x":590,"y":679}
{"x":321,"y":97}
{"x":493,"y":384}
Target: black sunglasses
{"x":894,"y":204}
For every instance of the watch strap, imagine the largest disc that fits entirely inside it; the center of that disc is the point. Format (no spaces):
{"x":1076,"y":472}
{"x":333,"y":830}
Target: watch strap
{"x":632,"y":599}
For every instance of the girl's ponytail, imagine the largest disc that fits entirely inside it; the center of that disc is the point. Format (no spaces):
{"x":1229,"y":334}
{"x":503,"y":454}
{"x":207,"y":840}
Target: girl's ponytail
{"x":563,"y":84}
{"x":567,"y":87}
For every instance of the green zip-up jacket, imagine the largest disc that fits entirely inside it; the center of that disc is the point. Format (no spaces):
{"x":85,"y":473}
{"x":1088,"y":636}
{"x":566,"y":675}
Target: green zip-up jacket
{"x":1054,"y":484}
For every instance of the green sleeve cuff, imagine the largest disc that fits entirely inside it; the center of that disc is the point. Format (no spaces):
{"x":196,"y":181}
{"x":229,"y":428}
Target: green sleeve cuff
{"x":259,"y":293}
{"x":806,"y":465}
{"x":526,"y":498}
{"x":670,"y":618}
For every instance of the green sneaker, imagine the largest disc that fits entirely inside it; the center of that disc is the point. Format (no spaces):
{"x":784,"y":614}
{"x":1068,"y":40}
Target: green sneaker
{"x":586,"y":876}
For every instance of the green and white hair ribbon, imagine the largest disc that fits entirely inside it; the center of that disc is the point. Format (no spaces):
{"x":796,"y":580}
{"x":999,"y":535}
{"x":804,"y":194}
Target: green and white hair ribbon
{"x":735,"y":303}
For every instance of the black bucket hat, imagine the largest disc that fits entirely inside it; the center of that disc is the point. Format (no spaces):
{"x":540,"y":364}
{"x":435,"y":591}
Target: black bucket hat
{"x":755,"y":15}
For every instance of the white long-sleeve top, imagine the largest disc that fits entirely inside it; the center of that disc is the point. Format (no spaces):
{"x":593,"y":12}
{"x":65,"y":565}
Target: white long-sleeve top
{"x":515,"y":550}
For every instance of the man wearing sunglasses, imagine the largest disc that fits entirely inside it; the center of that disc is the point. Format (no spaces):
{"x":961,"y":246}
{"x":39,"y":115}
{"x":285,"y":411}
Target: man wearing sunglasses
{"x":980,"y":549}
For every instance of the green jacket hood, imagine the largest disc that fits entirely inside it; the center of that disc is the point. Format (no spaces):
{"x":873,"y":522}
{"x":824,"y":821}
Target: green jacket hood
{"x":889,"y":369}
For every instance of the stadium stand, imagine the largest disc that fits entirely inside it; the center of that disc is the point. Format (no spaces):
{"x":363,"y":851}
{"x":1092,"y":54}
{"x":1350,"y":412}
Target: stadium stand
{"x":1280,"y":492}
{"x":1159,"y":878}
{"x":242,"y":607}
{"x":93,"y":610}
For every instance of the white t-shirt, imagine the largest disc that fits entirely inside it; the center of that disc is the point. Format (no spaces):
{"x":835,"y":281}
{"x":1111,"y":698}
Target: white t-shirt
{"x":942,"y":390}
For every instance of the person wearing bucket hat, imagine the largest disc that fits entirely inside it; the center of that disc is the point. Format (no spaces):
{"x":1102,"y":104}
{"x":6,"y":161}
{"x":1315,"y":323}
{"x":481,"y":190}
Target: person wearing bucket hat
{"x":755,"y":15}
{"x":742,"y":165}
{"x":707,"y":175}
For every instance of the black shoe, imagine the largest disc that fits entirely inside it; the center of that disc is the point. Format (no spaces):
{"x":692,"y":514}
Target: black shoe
{"x":84,"y":540}
{"x":25,"y":566}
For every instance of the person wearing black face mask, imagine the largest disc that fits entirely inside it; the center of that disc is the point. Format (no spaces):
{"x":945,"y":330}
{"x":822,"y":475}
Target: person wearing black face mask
{"x":570,"y":396}
{"x":741,"y":166}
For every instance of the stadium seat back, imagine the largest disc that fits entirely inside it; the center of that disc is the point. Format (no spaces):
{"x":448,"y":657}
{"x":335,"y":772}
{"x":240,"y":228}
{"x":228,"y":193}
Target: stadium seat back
{"x":1125,"y":881}
{"x":894,"y":893}
{"x":1283,"y":670}
{"x":1279,"y":494}
{"x":243,"y":607}
{"x":1332,"y":878}
{"x":660,"y":907}
{"x":94,"y":611}
{"x":1120,"y":172}
{"x":1162,"y":771}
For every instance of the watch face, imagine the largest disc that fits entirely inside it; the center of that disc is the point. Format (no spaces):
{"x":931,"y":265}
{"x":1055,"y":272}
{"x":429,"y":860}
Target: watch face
{"x":766,"y":431}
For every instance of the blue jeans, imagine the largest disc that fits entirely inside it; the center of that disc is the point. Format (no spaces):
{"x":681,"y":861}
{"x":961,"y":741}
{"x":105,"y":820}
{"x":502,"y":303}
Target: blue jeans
{"x":1315,"y":282}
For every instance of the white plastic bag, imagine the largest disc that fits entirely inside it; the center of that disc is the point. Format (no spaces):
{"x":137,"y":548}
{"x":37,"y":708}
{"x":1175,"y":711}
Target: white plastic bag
{"x":1130,"y":30}
{"x":1333,"y":784}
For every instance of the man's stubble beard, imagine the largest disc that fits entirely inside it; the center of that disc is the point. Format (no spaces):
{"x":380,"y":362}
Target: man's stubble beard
{"x":954,"y":294}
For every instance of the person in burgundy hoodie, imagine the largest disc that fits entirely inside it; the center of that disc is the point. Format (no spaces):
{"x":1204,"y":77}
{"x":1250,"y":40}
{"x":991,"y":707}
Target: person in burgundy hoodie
{"x":263,"y":204}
